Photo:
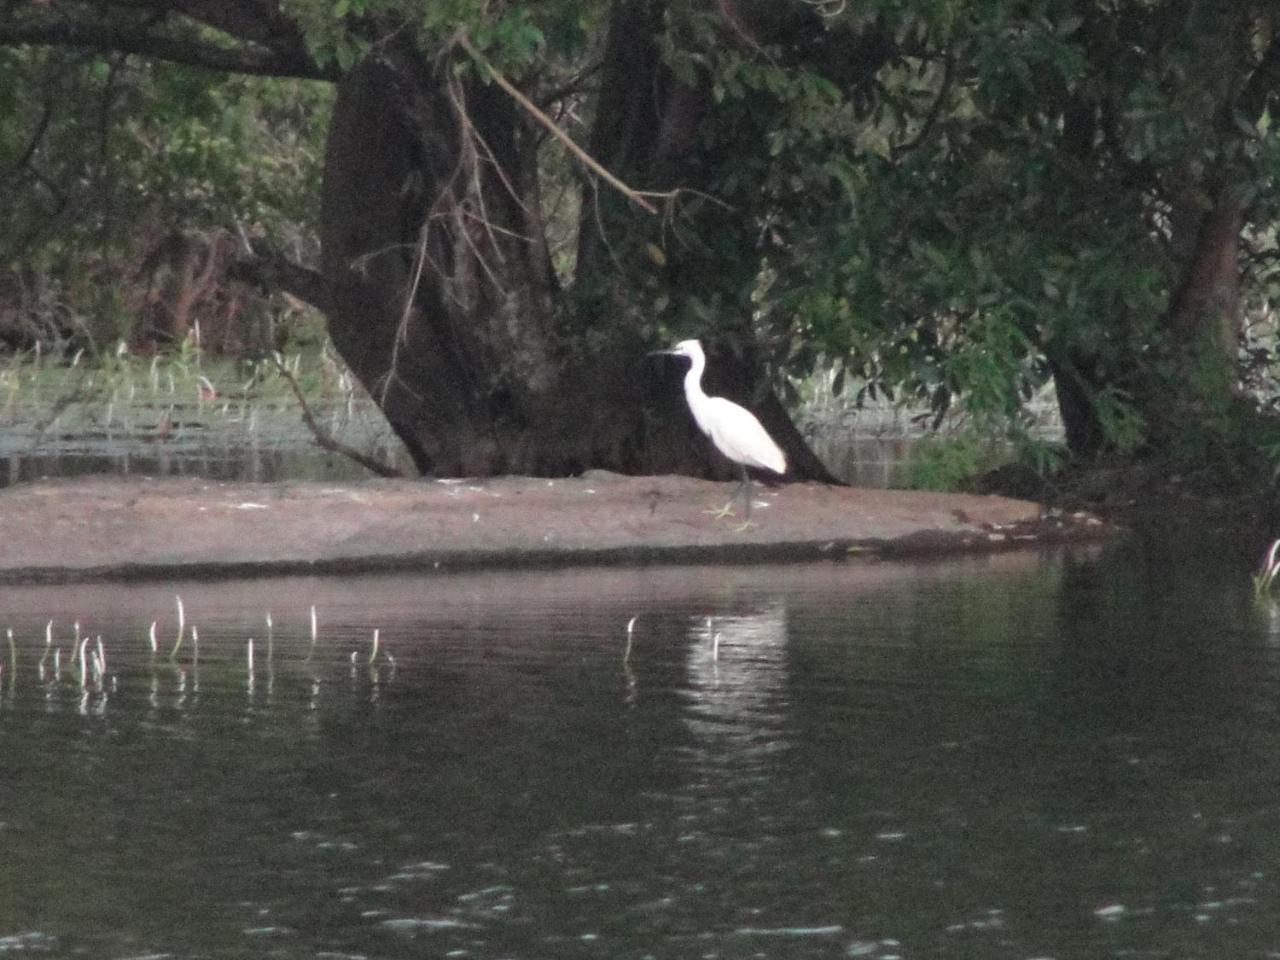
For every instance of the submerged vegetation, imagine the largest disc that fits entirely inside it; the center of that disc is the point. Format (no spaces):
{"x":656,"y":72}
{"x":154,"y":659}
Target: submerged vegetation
{"x":1270,"y":570}
{"x":180,"y":411}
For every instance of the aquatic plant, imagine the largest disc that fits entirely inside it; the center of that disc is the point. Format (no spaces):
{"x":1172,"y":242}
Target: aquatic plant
{"x":48,"y":645}
{"x":116,"y":400}
{"x":1264,"y":578}
{"x":89,"y":674}
{"x":182,"y":625}
{"x":626,"y":654}
{"x":312,"y":649}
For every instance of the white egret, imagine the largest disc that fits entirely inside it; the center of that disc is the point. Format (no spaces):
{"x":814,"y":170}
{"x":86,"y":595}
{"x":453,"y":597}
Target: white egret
{"x":733,"y":429}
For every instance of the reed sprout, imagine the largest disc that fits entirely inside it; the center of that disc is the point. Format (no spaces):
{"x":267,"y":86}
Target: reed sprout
{"x":1264,"y":578}
{"x":626,"y":654}
{"x":182,"y":626}
{"x":89,"y":659}
{"x":312,"y":649}
{"x":48,"y":645}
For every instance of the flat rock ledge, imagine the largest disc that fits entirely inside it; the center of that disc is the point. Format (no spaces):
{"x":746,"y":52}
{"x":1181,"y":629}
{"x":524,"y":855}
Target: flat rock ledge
{"x":106,"y":528}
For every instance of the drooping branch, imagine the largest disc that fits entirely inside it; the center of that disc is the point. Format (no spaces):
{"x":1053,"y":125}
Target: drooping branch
{"x":323,"y":437}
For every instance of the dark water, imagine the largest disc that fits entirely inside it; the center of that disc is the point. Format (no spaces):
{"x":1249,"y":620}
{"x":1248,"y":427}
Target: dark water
{"x":187,"y":440}
{"x":211,"y":462}
{"x":1027,"y":756}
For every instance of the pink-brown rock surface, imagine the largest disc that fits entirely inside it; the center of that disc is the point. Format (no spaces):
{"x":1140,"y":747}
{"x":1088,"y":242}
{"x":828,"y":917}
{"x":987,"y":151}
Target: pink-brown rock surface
{"x":104,"y":527}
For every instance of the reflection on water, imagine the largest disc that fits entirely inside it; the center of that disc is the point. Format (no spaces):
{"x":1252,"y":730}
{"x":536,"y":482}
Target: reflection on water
{"x":1022,"y":756}
{"x":188,"y":414}
{"x":219,"y":460}
{"x":736,"y":686}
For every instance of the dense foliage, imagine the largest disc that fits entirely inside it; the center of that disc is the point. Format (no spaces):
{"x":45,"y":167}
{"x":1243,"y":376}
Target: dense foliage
{"x":130,"y":178}
{"x":953,"y":200}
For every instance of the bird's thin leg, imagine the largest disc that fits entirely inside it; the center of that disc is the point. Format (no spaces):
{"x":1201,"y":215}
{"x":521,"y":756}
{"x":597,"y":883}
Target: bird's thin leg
{"x":746,"y":523}
{"x":721,"y":512}
{"x":727,"y":509}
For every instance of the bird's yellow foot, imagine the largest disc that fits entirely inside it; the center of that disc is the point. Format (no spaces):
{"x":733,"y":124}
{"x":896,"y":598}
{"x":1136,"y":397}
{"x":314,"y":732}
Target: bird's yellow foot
{"x":725,"y":511}
{"x":744,"y":526}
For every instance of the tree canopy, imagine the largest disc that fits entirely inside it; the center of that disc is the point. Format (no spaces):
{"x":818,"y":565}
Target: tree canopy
{"x":954,"y":200}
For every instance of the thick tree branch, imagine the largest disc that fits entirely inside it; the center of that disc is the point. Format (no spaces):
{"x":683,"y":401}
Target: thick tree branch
{"x":252,"y":21}
{"x":141,"y":41}
{"x":272,"y":271}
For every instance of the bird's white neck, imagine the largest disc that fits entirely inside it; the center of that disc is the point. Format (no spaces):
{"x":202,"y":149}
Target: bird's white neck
{"x":693,"y":391}
{"x":693,"y":379}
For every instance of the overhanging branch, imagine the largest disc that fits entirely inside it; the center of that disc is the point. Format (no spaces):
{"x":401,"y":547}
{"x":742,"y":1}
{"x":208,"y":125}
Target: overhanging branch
{"x":270,"y":270}
{"x":106,"y":37}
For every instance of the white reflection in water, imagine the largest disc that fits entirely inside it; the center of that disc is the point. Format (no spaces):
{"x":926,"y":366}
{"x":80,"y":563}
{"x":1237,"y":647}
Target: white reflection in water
{"x":737,"y":673}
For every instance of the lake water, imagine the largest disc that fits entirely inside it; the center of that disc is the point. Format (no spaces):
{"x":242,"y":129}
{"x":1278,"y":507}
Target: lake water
{"x":1032,"y":755}
{"x":240,"y":422}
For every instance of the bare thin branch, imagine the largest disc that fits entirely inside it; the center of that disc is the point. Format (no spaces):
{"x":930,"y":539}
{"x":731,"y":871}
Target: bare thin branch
{"x":326,"y":439}
{"x":639,"y":197}
{"x":935,"y":110}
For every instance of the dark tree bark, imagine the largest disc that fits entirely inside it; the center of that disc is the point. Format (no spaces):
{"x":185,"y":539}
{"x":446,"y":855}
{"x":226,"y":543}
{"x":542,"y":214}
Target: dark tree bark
{"x":1205,"y":311}
{"x":1075,"y":389}
{"x":1194,"y":361}
{"x":442,"y":297}
{"x":435,"y":275}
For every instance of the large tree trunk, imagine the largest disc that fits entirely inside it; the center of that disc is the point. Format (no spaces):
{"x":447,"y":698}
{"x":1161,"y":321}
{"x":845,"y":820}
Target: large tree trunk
{"x":441,"y":296}
{"x":1194,"y":370}
{"x":1076,"y":390}
{"x":1189,"y":368}
{"x":1205,"y":312}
